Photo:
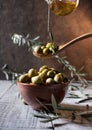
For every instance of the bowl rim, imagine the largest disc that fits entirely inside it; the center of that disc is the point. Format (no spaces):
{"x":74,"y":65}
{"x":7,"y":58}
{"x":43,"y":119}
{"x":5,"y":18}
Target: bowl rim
{"x":44,"y":85}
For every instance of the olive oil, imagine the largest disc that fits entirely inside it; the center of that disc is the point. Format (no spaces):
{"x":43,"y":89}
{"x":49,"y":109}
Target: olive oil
{"x":62,"y":8}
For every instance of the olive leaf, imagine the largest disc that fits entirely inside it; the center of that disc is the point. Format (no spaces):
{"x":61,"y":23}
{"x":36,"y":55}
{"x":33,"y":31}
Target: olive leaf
{"x":41,"y":116}
{"x":54,"y":103}
{"x":84,"y":100}
{"x":42,"y":104}
{"x":72,"y":95}
{"x":49,"y":120}
{"x":51,"y":37}
{"x":21,"y":40}
{"x":88,"y":95}
{"x":10,"y":73}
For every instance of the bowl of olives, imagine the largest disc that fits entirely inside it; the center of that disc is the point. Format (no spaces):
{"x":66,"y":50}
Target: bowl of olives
{"x":39,"y":85}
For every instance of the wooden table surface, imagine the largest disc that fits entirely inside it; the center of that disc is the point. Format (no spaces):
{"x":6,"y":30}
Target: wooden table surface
{"x":14,"y":115}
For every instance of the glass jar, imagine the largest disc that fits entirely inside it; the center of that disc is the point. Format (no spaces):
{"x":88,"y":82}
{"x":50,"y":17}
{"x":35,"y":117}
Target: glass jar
{"x":62,"y":7}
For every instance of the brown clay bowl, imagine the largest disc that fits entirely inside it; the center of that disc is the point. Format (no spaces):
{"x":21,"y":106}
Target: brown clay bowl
{"x":31,"y":92}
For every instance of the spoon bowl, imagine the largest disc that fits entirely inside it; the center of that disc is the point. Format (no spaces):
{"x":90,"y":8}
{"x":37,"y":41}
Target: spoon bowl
{"x":62,"y":47}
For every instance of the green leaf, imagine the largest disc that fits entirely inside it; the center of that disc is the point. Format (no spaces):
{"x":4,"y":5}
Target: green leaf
{"x":49,"y":120}
{"x":51,"y":37}
{"x":82,"y":74}
{"x":54,"y":103}
{"x":43,"y":105}
{"x":41,"y":116}
{"x":88,"y":95}
{"x":81,"y":69}
{"x":20,"y":40}
{"x":71,"y":95}
{"x":36,"y":38}
{"x":84,"y":100}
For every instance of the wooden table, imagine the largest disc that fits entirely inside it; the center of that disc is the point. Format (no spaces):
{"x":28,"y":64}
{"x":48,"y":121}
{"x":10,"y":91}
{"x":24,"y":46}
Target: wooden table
{"x":14,"y":115}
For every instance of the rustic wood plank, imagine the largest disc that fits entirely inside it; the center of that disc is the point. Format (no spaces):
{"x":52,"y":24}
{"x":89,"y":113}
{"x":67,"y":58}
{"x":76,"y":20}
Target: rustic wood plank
{"x":4,"y":86}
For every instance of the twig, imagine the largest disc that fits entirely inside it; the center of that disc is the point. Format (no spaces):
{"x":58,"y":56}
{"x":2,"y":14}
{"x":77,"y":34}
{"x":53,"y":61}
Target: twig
{"x":84,"y":100}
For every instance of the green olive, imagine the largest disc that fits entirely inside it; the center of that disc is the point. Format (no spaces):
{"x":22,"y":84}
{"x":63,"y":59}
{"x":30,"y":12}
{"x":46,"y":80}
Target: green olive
{"x":49,"y":44}
{"x":51,"y":73}
{"x":42,"y":68}
{"x":32,"y":72}
{"x":24,"y":78}
{"x":49,"y":81}
{"x":36,"y":80}
{"x":46,"y":51}
{"x":58,"y":78}
{"x":43,"y":74}
{"x":52,"y":47}
{"x":42,"y":47}
{"x":52,"y":69}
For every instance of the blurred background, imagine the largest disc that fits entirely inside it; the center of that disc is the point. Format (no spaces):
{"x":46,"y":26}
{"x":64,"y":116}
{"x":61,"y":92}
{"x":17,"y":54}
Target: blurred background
{"x":30,"y":16}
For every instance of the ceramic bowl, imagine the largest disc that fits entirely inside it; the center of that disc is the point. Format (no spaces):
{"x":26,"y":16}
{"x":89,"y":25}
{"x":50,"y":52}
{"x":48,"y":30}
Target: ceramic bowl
{"x":31,"y":92}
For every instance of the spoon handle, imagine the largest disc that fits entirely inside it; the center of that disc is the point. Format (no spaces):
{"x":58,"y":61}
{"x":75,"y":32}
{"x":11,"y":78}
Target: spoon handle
{"x":77,"y":39}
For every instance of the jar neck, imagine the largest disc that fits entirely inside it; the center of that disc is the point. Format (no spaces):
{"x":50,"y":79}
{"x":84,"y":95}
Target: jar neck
{"x":49,"y":1}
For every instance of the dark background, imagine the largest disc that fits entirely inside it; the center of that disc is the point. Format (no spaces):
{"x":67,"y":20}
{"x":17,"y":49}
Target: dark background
{"x":30,"y":16}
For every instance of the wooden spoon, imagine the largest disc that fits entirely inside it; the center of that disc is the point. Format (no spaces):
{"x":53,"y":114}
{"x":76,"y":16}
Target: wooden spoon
{"x":62,"y":47}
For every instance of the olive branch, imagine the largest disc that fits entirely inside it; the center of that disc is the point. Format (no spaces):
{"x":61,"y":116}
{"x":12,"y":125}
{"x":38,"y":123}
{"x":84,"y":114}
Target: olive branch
{"x":47,"y":115}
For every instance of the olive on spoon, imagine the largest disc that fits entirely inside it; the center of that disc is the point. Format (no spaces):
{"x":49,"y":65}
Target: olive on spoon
{"x":38,"y":50}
